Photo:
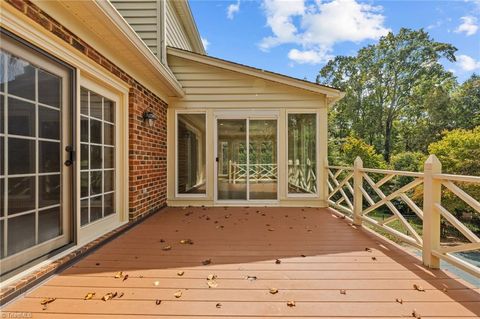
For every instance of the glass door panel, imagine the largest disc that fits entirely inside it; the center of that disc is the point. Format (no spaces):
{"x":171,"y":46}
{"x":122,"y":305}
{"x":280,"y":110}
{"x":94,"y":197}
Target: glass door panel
{"x":232,"y":167}
{"x":263,"y":159}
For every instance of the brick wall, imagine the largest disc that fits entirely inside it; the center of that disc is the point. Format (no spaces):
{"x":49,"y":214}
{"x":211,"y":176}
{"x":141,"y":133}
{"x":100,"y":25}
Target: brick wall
{"x":147,"y":146}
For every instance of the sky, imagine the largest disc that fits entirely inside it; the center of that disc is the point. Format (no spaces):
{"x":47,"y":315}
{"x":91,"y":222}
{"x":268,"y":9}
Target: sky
{"x":298,"y":37}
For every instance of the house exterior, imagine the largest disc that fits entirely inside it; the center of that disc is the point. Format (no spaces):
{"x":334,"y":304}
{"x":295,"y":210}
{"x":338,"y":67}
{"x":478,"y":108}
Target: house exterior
{"x":112,"y":110}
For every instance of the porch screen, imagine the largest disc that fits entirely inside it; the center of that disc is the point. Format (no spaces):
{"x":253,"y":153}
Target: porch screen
{"x":302,"y":148}
{"x":191,"y":154}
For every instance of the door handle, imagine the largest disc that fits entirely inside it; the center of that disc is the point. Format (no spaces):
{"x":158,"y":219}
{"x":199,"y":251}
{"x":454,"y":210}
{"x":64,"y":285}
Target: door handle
{"x":71,"y":155}
{"x":216,"y":159}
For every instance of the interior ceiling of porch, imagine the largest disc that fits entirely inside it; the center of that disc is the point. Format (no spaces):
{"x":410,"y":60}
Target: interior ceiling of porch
{"x":326,"y":266}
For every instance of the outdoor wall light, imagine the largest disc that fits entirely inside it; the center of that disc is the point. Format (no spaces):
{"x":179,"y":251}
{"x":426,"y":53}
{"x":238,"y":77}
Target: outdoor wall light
{"x":149,"y":118}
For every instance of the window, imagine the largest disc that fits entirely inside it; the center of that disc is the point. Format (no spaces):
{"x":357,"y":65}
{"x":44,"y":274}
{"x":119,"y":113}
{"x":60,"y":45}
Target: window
{"x":302,"y":153}
{"x":97,"y":157}
{"x":191,"y":151}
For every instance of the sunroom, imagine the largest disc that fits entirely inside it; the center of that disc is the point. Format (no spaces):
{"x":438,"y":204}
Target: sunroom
{"x":243,"y":135}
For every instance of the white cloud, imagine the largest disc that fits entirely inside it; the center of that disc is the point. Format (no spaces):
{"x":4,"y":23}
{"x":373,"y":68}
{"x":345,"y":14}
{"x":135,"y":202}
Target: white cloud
{"x":318,"y":27}
{"x":205,"y":43}
{"x":232,"y":9}
{"x":468,"y":63}
{"x":469,"y":25}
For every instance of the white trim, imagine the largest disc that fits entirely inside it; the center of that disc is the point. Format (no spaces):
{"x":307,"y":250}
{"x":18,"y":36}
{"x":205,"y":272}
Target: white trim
{"x":317,"y":140}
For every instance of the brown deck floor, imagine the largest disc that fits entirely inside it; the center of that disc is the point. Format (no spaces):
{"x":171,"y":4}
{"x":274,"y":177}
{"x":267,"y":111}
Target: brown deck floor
{"x":242,"y":242}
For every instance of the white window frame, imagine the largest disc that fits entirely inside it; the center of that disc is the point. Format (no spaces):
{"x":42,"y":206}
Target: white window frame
{"x":207,"y":150}
{"x":317,"y":141}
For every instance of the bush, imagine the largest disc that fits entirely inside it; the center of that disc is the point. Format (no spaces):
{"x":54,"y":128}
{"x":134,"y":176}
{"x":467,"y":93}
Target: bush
{"x":408,"y":161}
{"x":353,"y":147}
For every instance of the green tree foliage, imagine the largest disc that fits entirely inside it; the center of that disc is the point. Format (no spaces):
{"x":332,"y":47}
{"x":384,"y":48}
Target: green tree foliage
{"x":381,"y":83}
{"x":353,"y":147}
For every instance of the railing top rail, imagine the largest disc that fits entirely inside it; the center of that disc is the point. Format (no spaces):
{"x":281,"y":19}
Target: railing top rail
{"x":341,"y":167}
{"x":458,"y":178}
{"x":391,"y":172}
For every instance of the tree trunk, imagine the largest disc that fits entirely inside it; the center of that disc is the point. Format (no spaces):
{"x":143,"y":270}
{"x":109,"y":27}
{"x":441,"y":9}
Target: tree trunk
{"x":388,"y":139}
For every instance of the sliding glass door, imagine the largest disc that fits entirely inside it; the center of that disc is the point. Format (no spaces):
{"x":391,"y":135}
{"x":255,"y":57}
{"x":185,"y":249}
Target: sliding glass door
{"x":247,"y":159}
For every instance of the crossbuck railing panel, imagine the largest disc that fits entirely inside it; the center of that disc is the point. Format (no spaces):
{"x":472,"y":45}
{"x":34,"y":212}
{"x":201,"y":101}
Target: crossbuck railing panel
{"x":361,"y":193}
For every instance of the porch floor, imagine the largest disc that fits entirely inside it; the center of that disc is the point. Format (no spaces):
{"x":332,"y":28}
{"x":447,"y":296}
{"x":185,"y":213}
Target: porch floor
{"x":337,"y":277}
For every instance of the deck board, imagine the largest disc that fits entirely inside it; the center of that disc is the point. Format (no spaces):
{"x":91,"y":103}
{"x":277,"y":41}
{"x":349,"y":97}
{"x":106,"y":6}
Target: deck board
{"x":334,"y":259}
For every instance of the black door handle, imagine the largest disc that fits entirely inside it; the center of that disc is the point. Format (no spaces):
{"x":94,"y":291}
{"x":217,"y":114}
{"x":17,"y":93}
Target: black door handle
{"x":71,"y":155}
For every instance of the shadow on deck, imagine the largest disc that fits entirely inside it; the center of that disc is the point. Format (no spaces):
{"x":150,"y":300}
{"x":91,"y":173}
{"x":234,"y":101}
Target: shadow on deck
{"x":321,"y":257}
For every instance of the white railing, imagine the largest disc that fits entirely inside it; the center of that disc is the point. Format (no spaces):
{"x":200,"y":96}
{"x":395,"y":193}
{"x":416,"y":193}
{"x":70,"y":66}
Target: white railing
{"x":302,"y":176}
{"x":359,"y":192}
{"x":256,"y":172}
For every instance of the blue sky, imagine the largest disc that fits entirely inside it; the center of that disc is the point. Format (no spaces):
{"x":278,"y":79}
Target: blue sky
{"x":297,"y":37}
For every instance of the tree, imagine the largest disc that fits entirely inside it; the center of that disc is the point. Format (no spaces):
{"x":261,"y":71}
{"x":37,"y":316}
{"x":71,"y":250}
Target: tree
{"x":380,"y":81}
{"x":466,"y":101}
{"x":353,"y":147}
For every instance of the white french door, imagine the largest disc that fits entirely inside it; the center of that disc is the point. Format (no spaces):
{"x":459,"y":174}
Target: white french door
{"x":246,"y":158}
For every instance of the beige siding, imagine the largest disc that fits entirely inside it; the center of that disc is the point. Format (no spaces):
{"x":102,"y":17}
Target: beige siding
{"x":175,"y":32}
{"x":144,"y":17}
{"x":208,"y":86}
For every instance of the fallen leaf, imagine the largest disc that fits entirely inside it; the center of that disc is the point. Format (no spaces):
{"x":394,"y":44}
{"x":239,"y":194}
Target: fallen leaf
{"x":303,"y":255}
{"x":444,"y":289}
{"x":178,"y":294}
{"x":343,"y":292}
{"x":156,"y":283}
{"x":89,"y":296}
{"x":118,"y":275}
{"x":399,"y":300}
{"x":108,"y":296}
{"x":291,"y":303}
{"x":273,"y":291}
{"x":415,"y":314}
{"x":46,"y":301}
{"x":278,"y":261}
{"x":418,"y":287}
{"x":97,"y":264}
{"x":162,"y":240}
{"x":218,"y":305}
{"x":120,"y":295}
{"x":125,"y":278}
{"x":211,"y":277}
{"x":212,"y":284}
{"x":368,"y":249}
{"x":251,"y":278}
{"x":167,"y":248}
{"x":180,"y":273}
{"x":207,"y":262}
{"x":186,"y":242}
{"x":158,"y":301}
{"x":271,"y":229}
{"x":374,"y":258}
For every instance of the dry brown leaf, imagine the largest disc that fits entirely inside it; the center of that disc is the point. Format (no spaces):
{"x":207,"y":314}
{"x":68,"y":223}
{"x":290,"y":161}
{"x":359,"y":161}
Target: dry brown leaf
{"x":212,"y":284}
{"x":374,"y":258}
{"x":251,"y":278}
{"x":46,"y":301}
{"x":399,"y":300}
{"x":291,"y":303}
{"x":218,"y":305}
{"x":271,"y":229}
{"x":97,"y":264}
{"x":211,"y":277}
{"x":186,"y":242}
{"x":89,"y":296}
{"x":368,"y":249}
{"x":207,"y":262}
{"x":118,"y":274}
{"x":278,"y":261}
{"x":178,"y":294}
{"x":415,"y":314}
{"x":343,"y":291}
{"x":108,"y":296}
{"x":156,"y":283}
{"x":273,"y":291}
{"x":125,"y":278}
{"x":120,"y":295}
{"x":418,"y":287}
{"x":158,"y":302}
{"x":167,"y":248}
{"x":162,"y":240}
{"x":303,"y":255}
{"x":180,"y":273}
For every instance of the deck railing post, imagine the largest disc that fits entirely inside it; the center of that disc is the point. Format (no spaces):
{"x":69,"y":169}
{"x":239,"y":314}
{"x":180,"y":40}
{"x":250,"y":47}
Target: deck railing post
{"x":357,"y":191}
{"x":432,"y":194}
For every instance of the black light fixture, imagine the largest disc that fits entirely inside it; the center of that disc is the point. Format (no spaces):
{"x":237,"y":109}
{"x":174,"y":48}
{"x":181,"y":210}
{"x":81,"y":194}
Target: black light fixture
{"x":149,"y":118}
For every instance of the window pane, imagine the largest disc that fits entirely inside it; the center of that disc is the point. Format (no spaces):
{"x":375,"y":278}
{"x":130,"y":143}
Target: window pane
{"x":2,"y":158}
{"x":84,"y":212}
{"x":3,"y":58}
{"x":95,"y":208}
{"x":302,"y":148}
{"x":95,"y":105}
{"x":21,"y":78}
{"x":109,"y":134}
{"x":2,"y":113}
{"x":1,"y":239}
{"x":21,"y":118}
{"x":109,"y":204}
{"x":21,"y":156}
{"x":95,"y":183}
{"x":48,"y":123}
{"x":49,"y":190}
{"x":84,"y":156}
{"x":109,"y":156}
{"x":191,"y":143}
{"x":84,"y":101}
{"x":21,"y":233}
{"x":95,"y":131}
{"x":84,"y":184}
{"x":49,"y":224}
{"x":48,"y":89}
{"x":108,"y":107}
{"x":49,"y":156}
{"x":21,"y":194}
{"x":83,"y":129}
{"x":2,"y":196}
{"x":95,"y":157}
{"x":109,"y":181}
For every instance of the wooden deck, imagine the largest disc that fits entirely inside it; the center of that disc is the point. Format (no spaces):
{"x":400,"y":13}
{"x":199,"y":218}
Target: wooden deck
{"x":324,"y":268}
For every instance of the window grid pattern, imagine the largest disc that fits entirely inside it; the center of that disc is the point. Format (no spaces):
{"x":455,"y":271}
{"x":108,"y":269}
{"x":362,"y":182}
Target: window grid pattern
{"x":97,"y":157}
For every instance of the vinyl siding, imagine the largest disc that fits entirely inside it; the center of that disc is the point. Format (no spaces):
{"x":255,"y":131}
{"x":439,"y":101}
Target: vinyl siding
{"x":144,"y":17}
{"x":209,"y":86}
{"x":176,"y":35}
